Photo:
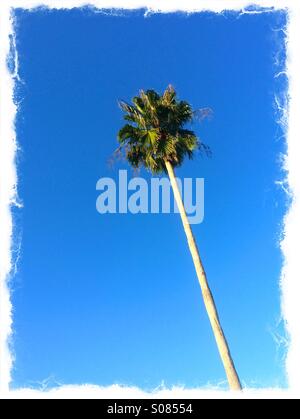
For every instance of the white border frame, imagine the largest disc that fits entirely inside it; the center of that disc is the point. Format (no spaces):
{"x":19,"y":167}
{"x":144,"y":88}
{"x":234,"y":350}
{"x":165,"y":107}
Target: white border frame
{"x":8,"y":196}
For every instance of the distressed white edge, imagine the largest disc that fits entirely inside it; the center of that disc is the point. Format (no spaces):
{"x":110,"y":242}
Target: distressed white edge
{"x":289,"y":244}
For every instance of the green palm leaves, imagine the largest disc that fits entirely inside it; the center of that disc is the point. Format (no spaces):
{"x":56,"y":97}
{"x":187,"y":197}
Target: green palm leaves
{"x":155,"y":130}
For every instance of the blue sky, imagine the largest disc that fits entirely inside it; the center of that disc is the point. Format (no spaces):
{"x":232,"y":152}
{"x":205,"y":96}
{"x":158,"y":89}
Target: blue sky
{"x":114,"y":298}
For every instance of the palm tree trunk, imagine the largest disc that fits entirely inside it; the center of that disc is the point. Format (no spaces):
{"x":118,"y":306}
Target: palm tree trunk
{"x":233,"y":379}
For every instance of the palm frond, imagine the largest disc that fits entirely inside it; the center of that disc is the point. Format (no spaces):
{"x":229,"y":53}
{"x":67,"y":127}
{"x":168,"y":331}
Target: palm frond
{"x":156,"y":133}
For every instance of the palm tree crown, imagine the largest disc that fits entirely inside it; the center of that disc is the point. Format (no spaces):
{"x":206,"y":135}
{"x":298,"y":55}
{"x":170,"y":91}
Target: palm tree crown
{"x":155,"y":132}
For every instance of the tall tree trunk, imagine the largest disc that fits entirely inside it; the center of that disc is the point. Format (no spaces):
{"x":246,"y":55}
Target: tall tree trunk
{"x":233,"y":379}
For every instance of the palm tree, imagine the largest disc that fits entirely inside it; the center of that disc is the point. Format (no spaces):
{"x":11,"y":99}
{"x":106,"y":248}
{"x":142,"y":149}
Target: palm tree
{"x":155,"y":138}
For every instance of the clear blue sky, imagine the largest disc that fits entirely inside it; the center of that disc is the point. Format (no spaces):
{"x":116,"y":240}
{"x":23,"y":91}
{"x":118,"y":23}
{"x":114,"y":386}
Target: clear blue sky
{"x":115,"y":299}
